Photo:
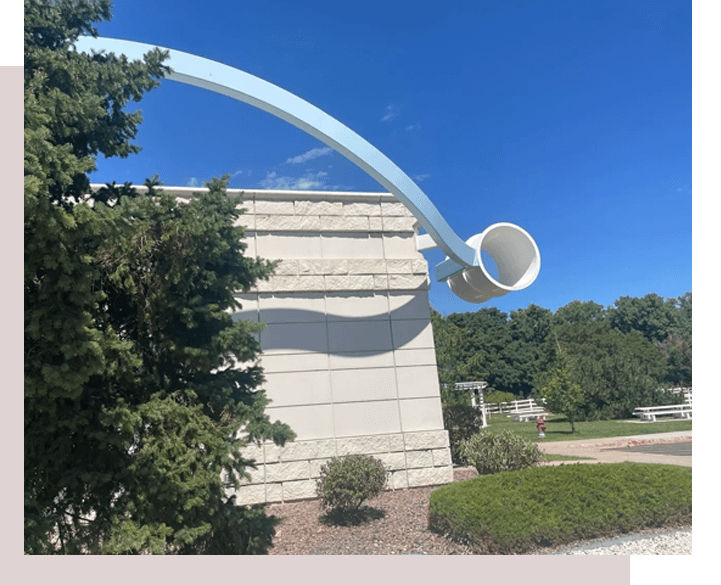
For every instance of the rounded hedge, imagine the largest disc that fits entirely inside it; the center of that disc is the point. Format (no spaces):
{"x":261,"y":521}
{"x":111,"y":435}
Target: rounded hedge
{"x":518,"y":512}
{"x":492,"y":452}
{"x":346,"y":482}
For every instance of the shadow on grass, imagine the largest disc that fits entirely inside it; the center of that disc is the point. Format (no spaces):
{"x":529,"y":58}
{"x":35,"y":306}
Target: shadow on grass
{"x":340,"y":517}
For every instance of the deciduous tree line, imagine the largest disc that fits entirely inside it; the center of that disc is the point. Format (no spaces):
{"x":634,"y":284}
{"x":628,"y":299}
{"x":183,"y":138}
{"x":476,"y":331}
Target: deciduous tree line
{"x":619,"y":356}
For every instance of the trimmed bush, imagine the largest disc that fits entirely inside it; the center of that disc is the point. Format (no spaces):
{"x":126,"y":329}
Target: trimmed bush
{"x":346,"y":482}
{"x":521,"y":512}
{"x":461,"y":422}
{"x":499,"y":396}
{"x":491,"y":452}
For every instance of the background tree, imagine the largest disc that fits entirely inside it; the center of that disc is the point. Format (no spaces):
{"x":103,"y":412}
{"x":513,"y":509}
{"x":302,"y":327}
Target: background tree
{"x":136,"y":402}
{"x":617,"y":372}
{"x":651,"y":316}
{"x":579,"y":312}
{"x":563,"y":396}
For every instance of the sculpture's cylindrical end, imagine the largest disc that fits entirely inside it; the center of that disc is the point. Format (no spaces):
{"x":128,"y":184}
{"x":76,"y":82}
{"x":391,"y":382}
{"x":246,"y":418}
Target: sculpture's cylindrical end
{"x":517,"y":259}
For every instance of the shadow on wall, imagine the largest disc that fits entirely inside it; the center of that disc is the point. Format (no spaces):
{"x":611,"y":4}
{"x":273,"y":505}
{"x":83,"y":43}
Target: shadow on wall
{"x":307,"y":330}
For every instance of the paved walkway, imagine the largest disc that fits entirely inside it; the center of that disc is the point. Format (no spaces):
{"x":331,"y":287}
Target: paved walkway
{"x":669,"y":448}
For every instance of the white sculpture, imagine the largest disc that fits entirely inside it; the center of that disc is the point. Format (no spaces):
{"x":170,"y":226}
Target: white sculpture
{"x":514,"y":251}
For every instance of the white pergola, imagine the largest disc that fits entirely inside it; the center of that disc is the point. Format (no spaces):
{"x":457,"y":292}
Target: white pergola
{"x":476,"y":390}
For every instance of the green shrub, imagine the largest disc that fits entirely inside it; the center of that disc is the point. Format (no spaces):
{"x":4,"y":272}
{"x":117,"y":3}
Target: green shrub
{"x":524,"y":511}
{"x":461,"y":422}
{"x":346,"y":482}
{"x":499,"y":396}
{"x":491,"y":452}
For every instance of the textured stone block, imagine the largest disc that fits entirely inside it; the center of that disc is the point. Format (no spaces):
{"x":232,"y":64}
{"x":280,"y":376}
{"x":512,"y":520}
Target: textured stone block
{"x":392,"y":461}
{"x":368,"y":445}
{"x":398,"y":480}
{"x":367,"y":266}
{"x":298,"y":490}
{"x":256,"y":475}
{"x":434,"y":476}
{"x":354,"y":282}
{"x":419,"y":266}
{"x":368,"y":209}
{"x":399,"y":224}
{"x":375,"y":224}
{"x":307,"y":450}
{"x":287,"y":267}
{"x":344,"y":223}
{"x":441,"y":457}
{"x":295,"y":223}
{"x":274,"y":492}
{"x":246,"y":206}
{"x":274,"y":207}
{"x":426,"y":440}
{"x":418,"y":459}
{"x":281,"y":472}
{"x":395,"y":209}
{"x":336,"y":266}
{"x":396,"y":443}
{"x":253,"y":452}
{"x":245,"y":221}
{"x":315,"y":467}
{"x":251,"y":494}
{"x":292,"y":283}
{"x":408,"y":282}
{"x":318,"y":208}
{"x":380,"y":282}
{"x":395,"y":266}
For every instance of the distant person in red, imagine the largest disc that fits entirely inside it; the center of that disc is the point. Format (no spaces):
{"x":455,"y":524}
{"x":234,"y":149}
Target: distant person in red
{"x":541,"y":426}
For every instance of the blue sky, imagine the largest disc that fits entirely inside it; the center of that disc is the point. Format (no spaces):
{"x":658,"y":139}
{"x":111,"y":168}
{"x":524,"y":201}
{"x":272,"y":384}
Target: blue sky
{"x":570,"y":118}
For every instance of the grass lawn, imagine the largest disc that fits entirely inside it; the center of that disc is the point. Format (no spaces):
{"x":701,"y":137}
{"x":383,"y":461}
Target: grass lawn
{"x":558,"y":429}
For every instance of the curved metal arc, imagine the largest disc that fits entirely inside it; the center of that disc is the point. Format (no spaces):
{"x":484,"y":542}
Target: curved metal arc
{"x":237,"y":84}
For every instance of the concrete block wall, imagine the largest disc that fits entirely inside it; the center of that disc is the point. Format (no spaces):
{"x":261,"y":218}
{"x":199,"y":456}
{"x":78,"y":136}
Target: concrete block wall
{"x":348,"y":349}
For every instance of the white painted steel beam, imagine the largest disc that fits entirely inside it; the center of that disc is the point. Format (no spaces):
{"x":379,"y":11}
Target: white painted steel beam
{"x":514,"y":251}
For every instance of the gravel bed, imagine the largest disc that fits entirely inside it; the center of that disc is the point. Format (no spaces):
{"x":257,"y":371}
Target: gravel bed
{"x":397,"y":524}
{"x":676,"y":542}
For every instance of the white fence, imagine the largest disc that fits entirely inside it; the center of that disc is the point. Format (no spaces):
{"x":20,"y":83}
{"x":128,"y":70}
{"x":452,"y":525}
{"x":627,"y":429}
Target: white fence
{"x":687,"y":393}
{"x":510,"y":407}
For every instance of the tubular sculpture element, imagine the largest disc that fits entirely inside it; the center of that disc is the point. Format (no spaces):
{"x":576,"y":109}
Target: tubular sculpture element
{"x":514,"y":251}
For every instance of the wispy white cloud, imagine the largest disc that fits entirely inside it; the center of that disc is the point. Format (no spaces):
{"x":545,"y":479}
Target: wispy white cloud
{"x":413,"y":127}
{"x":421,"y":177}
{"x":309,"y":181}
{"x":391,"y":113}
{"x":310,"y":155}
{"x":193,"y":182}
